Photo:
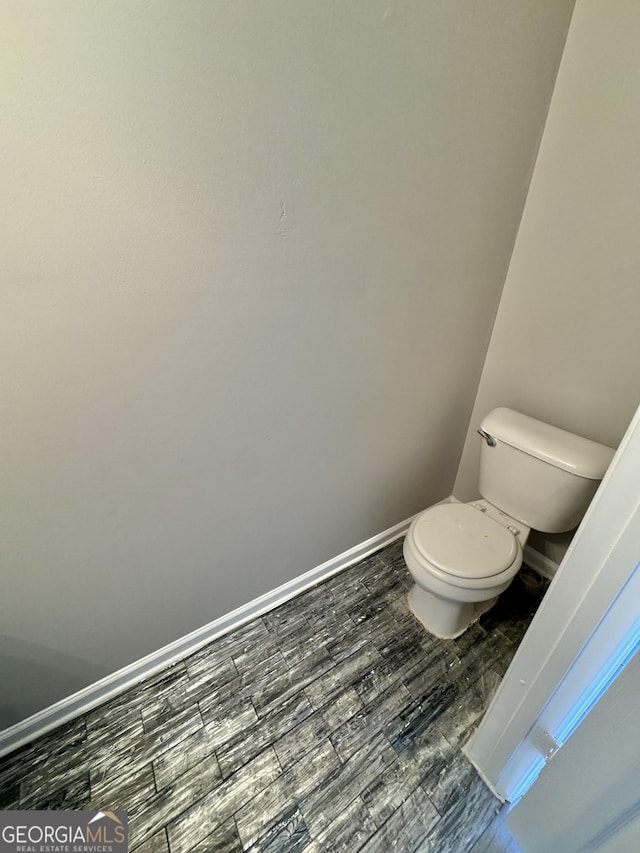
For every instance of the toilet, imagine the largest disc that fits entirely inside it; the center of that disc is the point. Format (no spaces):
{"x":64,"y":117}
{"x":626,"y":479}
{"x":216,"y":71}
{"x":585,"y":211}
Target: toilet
{"x":463,"y":555}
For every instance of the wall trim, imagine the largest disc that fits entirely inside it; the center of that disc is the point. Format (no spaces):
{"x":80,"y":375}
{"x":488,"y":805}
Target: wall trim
{"x":542,"y":564}
{"x":95,"y":694}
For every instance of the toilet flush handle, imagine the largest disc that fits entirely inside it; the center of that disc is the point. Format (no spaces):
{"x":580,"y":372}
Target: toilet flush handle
{"x":488,"y":438}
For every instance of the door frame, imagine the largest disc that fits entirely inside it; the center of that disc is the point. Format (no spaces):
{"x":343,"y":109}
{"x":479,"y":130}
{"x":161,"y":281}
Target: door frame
{"x":585,"y":630}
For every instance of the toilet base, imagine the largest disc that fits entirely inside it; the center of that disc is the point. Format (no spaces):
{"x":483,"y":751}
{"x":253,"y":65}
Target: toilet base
{"x":442,"y":617}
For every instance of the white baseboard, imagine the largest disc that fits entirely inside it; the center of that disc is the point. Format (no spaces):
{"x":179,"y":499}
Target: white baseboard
{"x":95,"y":694}
{"x":545,"y":566}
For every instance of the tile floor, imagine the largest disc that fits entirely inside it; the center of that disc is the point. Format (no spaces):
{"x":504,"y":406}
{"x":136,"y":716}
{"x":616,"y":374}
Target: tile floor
{"x":333,"y":723}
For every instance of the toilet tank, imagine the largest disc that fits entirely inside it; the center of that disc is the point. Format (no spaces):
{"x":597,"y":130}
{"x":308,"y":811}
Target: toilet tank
{"x":538,"y":474}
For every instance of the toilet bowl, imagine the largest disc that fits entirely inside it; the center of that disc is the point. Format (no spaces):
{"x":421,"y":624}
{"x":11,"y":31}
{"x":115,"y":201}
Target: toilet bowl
{"x":533,"y":476}
{"x":461,"y":557}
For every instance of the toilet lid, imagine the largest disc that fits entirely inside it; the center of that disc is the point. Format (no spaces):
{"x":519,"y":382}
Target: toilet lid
{"x":464,"y":542}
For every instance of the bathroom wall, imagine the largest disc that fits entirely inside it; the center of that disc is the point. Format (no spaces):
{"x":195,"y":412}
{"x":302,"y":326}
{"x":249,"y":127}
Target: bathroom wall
{"x":252,"y":254}
{"x":565,"y":345}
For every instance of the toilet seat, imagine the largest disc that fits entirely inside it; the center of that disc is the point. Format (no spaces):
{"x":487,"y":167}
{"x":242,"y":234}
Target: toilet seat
{"x":463,"y":546}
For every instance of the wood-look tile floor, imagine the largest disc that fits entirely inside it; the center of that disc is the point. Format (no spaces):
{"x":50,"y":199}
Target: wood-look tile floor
{"x":333,"y":723}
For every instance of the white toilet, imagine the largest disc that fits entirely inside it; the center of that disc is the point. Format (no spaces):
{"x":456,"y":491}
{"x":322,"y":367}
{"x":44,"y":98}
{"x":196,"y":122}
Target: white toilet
{"x":462,"y":556}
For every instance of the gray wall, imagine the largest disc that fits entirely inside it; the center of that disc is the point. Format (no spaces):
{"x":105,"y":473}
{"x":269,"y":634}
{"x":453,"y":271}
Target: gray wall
{"x":565,"y":345}
{"x":252,"y":255}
